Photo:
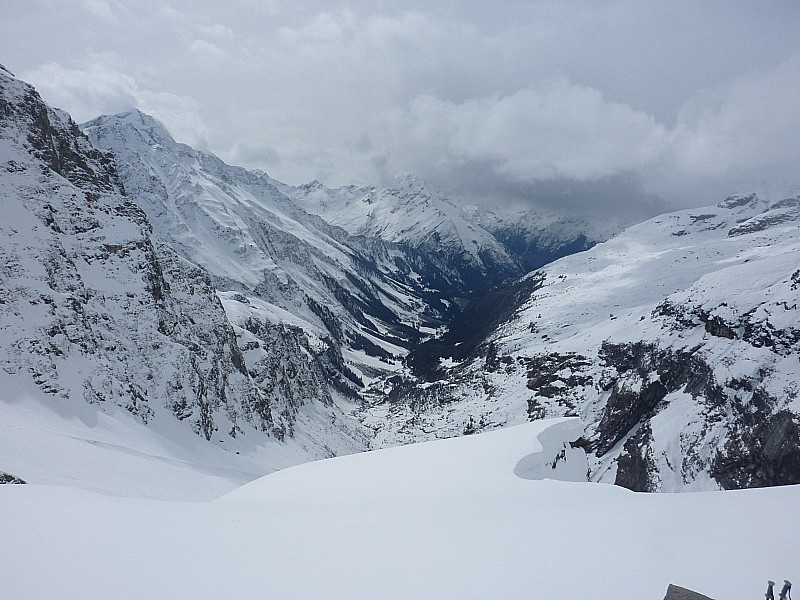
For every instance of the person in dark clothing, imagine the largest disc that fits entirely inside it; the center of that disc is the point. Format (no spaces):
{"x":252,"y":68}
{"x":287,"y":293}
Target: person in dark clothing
{"x":786,"y":591}
{"x":770,"y":595}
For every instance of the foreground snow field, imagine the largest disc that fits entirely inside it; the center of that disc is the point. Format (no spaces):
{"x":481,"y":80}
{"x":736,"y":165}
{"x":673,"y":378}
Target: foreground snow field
{"x":105,"y":449}
{"x":467,"y":517}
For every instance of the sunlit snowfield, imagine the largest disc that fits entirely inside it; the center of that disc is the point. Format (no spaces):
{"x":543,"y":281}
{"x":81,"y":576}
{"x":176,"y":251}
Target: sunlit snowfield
{"x":468,"y":517}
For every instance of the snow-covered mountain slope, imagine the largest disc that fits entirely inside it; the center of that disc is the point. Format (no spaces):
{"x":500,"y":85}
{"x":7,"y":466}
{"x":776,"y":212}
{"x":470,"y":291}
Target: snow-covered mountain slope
{"x":676,"y":342}
{"x":465,"y":249}
{"x":406,"y":213}
{"x":93,"y":307}
{"x":346,"y":297}
{"x":536,"y":237}
{"x":458,"y":518}
{"x":442,"y":242}
{"x":197,"y":295}
{"x":104,"y":449}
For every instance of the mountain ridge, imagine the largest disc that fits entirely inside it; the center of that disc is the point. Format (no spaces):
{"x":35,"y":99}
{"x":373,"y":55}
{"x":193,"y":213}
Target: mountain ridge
{"x":142,"y":273}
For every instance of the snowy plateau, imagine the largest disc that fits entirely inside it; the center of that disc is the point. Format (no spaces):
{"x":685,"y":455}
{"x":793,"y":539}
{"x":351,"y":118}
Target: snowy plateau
{"x":195,"y":358}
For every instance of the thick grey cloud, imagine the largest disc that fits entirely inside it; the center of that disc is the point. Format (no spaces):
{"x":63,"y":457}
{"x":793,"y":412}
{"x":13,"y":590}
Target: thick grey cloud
{"x":605,"y":107}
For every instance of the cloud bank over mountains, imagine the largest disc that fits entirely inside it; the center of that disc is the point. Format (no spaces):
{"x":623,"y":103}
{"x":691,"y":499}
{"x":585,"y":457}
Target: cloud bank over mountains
{"x":609,"y":108}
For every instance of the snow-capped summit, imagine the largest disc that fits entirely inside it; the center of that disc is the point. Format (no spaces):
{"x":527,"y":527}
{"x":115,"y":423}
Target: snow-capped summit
{"x":408,"y":213}
{"x":138,"y":121}
{"x":438,"y":236}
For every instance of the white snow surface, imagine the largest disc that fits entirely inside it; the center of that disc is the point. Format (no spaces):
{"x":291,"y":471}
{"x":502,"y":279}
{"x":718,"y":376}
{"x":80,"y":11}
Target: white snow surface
{"x":466,"y":517}
{"x":102,"y":448}
{"x":682,"y":257}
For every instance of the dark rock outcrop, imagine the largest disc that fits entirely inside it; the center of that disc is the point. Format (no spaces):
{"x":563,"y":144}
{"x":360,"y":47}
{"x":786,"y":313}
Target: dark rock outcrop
{"x":635,"y":465}
{"x":8,"y":478}
{"x":675,"y":592}
{"x":761,"y":450}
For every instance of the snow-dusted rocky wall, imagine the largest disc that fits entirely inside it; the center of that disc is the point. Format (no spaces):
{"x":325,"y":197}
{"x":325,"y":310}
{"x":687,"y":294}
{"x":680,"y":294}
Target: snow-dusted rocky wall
{"x":676,"y":342}
{"x":93,"y":306}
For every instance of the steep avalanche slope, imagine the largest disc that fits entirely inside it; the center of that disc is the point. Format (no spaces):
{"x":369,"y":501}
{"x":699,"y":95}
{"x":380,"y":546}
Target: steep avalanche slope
{"x":677,"y":343}
{"x":93,"y":307}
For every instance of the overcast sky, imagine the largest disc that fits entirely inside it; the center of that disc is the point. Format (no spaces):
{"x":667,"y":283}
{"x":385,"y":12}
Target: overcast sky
{"x":596,"y":107}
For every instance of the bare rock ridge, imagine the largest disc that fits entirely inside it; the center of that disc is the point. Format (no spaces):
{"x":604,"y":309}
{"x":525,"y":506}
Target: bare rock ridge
{"x":7,"y":478}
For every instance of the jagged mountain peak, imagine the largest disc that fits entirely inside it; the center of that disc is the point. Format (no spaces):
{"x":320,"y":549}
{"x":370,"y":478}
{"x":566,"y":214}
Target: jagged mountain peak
{"x":52,"y":137}
{"x":141,"y":120}
{"x":9,"y":79}
{"x":314,"y":184}
{"x":413,"y":189}
{"x":137,"y":133}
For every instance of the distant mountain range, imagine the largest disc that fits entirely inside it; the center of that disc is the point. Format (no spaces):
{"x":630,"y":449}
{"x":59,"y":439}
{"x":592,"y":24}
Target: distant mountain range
{"x":140,"y":273}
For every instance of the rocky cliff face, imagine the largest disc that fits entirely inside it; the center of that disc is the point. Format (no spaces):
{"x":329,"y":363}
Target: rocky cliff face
{"x":92,"y":305}
{"x":676,"y":342}
{"x":349,"y":300}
